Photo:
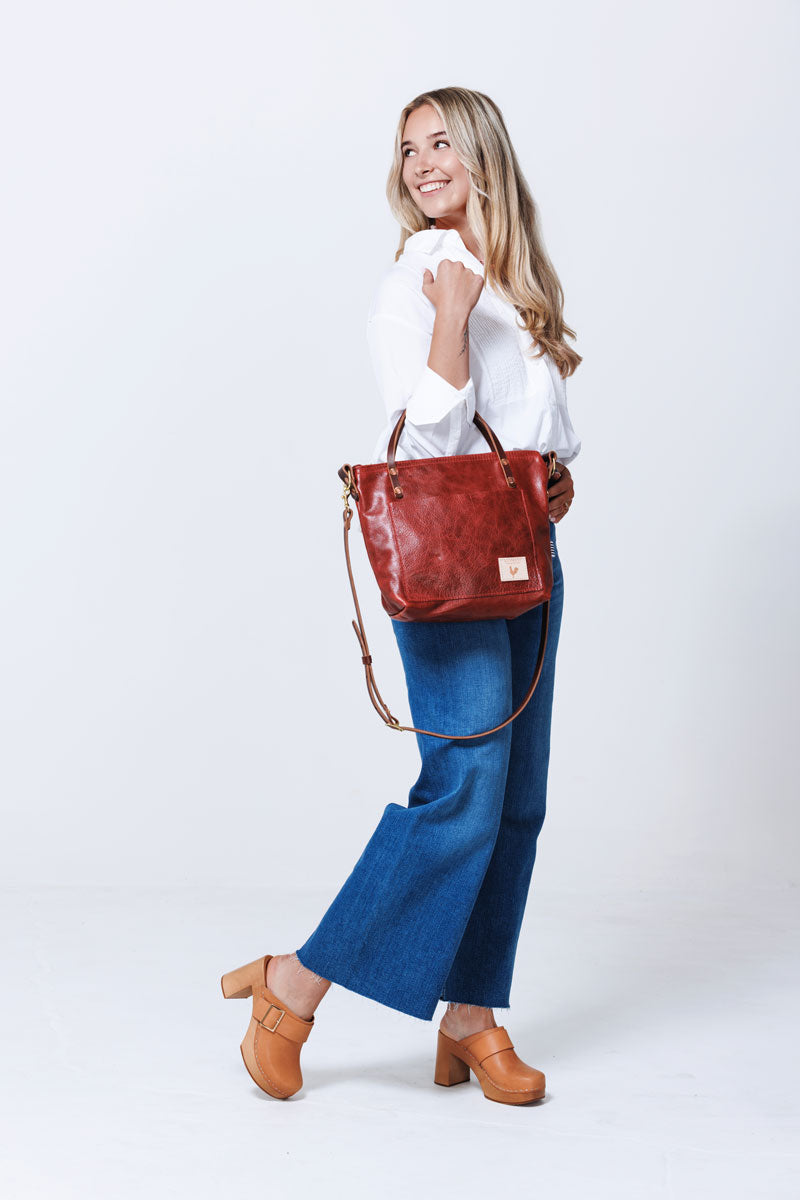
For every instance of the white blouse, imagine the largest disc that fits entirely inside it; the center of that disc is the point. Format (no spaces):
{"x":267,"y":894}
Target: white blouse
{"x":523,"y":399}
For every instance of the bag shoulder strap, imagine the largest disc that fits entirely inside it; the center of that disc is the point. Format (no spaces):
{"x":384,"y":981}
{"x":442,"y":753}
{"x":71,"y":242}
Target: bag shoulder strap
{"x":379,"y":703}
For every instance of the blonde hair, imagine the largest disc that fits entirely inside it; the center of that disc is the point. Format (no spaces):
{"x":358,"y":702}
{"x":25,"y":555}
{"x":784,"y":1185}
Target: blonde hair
{"x":500,"y":212}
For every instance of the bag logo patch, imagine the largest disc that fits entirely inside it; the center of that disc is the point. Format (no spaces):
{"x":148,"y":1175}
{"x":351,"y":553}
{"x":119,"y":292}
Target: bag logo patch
{"x":513,"y":568}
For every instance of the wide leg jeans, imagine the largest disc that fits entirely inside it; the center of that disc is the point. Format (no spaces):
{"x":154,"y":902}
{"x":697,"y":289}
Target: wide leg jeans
{"x":433,"y":907}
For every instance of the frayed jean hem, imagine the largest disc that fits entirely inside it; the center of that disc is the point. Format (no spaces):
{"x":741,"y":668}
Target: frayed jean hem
{"x":353,"y":984}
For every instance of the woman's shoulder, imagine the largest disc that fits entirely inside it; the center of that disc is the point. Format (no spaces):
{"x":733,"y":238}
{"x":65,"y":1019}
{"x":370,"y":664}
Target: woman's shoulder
{"x":426,"y":242}
{"x":398,"y":291}
{"x":399,"y":287}
{"x":428,"y":247}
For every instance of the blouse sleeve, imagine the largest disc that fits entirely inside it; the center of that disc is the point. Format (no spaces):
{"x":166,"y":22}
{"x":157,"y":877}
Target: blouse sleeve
{"x":563,"y":434}
{"x":438,"y":415}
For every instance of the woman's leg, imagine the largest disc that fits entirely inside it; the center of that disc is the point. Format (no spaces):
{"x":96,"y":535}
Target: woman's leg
{"x":392,"y":931}
{"x":483,"y":966}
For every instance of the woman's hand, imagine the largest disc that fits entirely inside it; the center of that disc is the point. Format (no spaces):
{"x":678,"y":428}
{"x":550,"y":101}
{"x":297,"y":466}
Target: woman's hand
{"x":560,"y":492}
{"x":455,"y":290}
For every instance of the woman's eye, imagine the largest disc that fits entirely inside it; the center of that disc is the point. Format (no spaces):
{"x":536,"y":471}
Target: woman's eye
{"x":438,"y":142}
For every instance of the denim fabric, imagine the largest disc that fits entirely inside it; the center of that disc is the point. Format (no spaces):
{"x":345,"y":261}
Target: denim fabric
{"x":433,"y":907}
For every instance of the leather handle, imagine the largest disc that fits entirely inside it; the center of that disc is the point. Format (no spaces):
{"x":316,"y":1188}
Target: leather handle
{"x":380,"y":705}
{"x":479,"y":423}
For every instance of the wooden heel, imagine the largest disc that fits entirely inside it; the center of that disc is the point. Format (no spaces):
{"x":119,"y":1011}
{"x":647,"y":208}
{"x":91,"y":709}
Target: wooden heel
{"x":449,"y":1068}
{"x":238,"y":984}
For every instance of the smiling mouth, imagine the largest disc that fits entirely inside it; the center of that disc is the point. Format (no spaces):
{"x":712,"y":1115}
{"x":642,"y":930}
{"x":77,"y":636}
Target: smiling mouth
{"x":428,"y":188}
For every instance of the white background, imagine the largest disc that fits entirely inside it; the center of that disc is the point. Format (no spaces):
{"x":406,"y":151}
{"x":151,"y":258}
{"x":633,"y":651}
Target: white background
{"x":193,"y":217}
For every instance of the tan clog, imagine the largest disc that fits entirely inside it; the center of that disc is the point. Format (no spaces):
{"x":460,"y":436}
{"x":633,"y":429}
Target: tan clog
{"x":275,"y":1036}
{"x":490,"y":1054}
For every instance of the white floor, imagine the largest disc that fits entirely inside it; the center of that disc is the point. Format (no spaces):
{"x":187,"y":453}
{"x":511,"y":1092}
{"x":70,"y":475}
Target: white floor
{"x":666,"y":1024}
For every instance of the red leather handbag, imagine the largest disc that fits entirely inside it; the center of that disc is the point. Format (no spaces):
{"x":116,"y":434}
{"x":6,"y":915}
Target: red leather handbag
{"x":462,"y":537}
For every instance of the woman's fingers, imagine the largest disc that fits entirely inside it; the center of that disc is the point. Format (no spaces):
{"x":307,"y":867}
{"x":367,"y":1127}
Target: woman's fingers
{"x":560,"y":492}
{"x":559,"y":487}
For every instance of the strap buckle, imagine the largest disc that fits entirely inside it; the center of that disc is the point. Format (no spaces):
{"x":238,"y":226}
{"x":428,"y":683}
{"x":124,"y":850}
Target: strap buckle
{"x":346,"y":474}
{"x":271,"y":1028}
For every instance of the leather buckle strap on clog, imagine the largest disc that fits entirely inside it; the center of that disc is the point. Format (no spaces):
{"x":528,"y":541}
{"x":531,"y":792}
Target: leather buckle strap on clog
{"x":262,"y":1022}
{"x":292,"y":1027}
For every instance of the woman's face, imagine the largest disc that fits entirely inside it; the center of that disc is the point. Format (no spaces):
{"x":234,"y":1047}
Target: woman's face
{"x":429,"y":159}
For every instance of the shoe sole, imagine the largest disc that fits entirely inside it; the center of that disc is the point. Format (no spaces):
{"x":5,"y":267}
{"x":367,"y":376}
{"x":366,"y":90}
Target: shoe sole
{"x":249,"y":1059}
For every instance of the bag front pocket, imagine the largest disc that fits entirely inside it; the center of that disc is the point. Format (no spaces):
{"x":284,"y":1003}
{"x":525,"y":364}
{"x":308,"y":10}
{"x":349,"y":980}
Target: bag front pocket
{"x":464,"y":544}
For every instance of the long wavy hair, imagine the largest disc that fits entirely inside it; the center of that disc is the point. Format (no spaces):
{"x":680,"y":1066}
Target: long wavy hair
{"x":501,"y":212}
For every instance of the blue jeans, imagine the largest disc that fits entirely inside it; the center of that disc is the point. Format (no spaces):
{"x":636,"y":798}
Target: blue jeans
{"x":433,"y":907}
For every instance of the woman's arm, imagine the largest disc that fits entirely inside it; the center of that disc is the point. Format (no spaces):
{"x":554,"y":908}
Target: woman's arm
{"x":426,"y":373}
{"x":454,"y":293}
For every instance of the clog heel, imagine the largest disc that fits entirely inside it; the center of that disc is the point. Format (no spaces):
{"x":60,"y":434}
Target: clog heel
{"x":275,"y":1036}
{"x":239,"y":983}
{"x":491,"y":1056}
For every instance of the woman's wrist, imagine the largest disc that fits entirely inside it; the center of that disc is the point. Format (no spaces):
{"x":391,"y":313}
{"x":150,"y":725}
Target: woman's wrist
{"x":449,"y":353}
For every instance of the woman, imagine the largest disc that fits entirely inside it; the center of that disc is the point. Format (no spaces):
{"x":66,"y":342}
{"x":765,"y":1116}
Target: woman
{"x":469,"y":315}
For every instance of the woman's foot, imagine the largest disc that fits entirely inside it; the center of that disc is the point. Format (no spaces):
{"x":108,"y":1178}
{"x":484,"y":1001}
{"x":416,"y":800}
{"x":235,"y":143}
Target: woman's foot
{"x":461,"y":1020}
{"x":294,"y":985}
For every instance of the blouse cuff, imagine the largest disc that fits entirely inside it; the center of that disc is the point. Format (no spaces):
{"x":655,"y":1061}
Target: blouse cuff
{"x":571,"y":455}
{"x":434,"y":398}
